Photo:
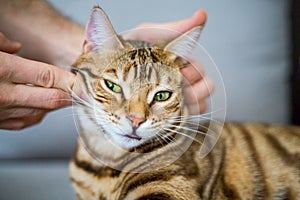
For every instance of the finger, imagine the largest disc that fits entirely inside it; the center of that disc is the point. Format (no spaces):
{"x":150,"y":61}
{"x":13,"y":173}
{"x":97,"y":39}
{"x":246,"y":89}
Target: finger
{"x":20,"y":123}
{"x":199,"y":91}
{"x":192,"y":73}
{"x":20,"y":113}
{"x":198,"y":108}
{"x":152,"y":32}
{"x":37,"y":73}
{"x":199,"y":18}
{"x":38,"y":97}
{"x":8,"y":46}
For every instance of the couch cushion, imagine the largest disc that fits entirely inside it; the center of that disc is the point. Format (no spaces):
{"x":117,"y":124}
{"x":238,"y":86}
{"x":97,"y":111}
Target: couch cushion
{"x":35,"y":180}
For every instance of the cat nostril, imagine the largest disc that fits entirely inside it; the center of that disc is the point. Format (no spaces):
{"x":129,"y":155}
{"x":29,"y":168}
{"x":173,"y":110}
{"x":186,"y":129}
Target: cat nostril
{"x":136,"y":121}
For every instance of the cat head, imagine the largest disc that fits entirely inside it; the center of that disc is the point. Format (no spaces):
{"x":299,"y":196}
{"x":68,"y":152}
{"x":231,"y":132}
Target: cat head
{"x":132,"y":89}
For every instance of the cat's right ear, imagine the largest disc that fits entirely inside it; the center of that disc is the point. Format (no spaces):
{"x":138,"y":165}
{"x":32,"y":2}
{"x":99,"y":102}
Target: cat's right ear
{"x":100,"y":34}
{"x":182,"y":46}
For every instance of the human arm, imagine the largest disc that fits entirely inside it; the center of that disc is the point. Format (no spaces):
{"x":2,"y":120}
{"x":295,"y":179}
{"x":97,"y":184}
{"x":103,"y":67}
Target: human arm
{"x":44,"y":33}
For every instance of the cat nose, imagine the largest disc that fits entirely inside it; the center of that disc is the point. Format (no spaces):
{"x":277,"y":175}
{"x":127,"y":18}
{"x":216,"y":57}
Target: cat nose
{"x":136,"y":121}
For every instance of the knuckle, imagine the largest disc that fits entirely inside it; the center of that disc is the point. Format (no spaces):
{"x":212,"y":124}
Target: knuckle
{"x":6,"y":100}
{"x":198,"y":66}
{"x":210,"y":85}
{"x":5,"y":72}
{"x":45,"y":78}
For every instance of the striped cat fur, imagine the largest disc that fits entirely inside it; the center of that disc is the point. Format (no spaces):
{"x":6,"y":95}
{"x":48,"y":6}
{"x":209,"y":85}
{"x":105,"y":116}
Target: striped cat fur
{"x":249,"y":161}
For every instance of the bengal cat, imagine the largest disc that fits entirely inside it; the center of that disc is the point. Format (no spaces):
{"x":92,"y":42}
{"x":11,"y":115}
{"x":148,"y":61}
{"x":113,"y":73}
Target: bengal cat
{"x":133,"y":120}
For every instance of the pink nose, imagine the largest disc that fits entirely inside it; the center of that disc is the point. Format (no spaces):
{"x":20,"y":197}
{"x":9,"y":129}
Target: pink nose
{"x":136,"y":121}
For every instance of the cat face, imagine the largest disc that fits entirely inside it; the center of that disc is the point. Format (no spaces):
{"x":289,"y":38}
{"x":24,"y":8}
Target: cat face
{"x":137,"y":98}
{"x":134,"y":87}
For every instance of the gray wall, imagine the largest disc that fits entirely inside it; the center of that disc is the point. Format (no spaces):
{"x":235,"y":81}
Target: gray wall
{"x":248,"y":41}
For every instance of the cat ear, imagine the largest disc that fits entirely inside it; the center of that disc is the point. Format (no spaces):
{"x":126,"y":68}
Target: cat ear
{"x":99,"y":32}
{"x":183,"y":45}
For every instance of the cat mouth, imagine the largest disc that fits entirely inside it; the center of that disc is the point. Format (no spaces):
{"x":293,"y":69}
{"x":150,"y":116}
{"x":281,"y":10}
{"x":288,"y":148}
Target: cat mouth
{"x":133,"y":136}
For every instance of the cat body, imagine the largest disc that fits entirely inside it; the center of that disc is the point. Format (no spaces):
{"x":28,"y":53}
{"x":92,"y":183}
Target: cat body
{"x":250,"y":161}
{"x":135,"y":140}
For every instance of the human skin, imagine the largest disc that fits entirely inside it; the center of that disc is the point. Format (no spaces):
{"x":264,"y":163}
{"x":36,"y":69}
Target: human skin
{"x":34,"y":85}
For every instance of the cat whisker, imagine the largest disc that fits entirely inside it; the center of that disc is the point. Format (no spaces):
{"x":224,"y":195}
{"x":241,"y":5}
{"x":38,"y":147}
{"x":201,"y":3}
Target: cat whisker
{"x":207,"y":129}
{"x":167,"y":140}
{"x":191,"y":130}
{"x":70,"y":100}
{"x":165,"y":137}
{"x":158,"y":137}
{"x":204,"y":114}
{"x":188,"y":117}
{"x":171,"y":138}
{"x":186,"y":122}
{"x":79,"y":100}
{"x":183,"y":134}
{"x":191,"y":119}
{"x":197,"y":124}
{"x":74,"y":114}
{"x":82,"y":115}
{"x":197,"y":118}
{"x":66,"y":100}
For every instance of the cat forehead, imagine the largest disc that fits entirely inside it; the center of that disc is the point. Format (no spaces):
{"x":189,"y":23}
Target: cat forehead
{"x":142,"y":54}
{"x":144,"y":65}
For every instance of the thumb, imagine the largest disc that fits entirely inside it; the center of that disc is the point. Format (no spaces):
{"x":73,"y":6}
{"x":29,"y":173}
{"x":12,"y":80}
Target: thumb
{"x":7,"y":45}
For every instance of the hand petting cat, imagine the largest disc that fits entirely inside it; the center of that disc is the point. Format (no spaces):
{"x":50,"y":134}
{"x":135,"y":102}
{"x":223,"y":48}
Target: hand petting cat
{"x":30,"y":89}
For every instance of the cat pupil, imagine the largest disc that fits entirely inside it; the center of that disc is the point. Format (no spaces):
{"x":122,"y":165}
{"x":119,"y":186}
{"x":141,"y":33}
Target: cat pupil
{"x":113,"y":87}
{"x":162,"y":96}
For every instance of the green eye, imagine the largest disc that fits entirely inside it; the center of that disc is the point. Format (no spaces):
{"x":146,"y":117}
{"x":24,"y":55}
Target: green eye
{"x":162,"y":96}
{"x":113,"y":87}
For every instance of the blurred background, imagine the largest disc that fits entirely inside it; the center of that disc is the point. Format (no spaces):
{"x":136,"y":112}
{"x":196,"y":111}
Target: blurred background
{"x":250,"y":42}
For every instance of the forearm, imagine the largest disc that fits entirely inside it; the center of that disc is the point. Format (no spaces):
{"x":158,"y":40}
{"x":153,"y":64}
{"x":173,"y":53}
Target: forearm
{"x":45,"y":35}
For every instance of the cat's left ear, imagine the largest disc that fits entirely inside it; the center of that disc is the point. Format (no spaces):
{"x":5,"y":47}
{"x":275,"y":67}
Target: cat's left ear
{"x":183,"y":45}
{"x":100,"y":34}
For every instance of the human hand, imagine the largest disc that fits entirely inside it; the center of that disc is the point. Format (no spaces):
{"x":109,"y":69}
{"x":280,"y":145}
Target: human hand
{"x":197,"y":87}
{"x":29,"y":89}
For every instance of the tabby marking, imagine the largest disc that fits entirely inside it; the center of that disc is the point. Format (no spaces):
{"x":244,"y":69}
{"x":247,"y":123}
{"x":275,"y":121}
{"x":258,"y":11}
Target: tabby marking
{"x":249,"y":161}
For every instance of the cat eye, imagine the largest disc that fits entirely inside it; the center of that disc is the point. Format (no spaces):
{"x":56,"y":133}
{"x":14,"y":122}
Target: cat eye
{"x":162,"y":96}
{"x":113,"y":87}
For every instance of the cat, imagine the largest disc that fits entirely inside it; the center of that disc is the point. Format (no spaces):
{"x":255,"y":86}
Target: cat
{"x":135,"y":144}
